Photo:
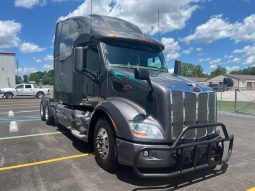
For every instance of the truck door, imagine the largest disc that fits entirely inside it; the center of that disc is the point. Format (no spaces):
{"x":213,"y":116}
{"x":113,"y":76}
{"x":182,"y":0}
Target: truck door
{"x":19,"y":90}
{"x":28,"y":90}
{"x":91,"y":90}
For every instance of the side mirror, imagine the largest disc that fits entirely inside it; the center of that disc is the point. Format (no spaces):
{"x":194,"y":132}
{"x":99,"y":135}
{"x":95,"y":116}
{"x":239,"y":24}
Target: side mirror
{"x":141,"y":74}
{"x":177,"y":67}
{"x":79,"y":58}
{"x":228,"y":82}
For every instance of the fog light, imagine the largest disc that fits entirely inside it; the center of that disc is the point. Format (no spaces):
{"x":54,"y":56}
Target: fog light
{"x":146,"y":154}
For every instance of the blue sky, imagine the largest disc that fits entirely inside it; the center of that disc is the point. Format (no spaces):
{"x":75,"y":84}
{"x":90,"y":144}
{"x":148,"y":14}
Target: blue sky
{"x":206,"y":32}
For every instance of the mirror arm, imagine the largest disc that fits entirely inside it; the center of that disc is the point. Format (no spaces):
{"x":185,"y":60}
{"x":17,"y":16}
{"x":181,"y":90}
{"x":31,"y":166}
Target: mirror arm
{"x":150,"y":95}
{"x":95,"y":78}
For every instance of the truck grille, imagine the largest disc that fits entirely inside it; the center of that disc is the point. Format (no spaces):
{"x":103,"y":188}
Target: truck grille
{"x":189,"y":109}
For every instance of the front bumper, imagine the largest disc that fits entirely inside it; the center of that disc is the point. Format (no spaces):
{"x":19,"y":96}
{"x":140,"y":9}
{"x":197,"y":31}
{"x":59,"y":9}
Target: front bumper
{"x":177,"y":158}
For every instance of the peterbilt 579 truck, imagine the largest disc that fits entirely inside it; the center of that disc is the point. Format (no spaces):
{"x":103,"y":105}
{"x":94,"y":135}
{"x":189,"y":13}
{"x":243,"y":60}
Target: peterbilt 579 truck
{"x":113,"y":91}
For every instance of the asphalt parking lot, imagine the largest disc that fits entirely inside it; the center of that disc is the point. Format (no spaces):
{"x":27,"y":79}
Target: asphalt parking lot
{"x":34,"y":156}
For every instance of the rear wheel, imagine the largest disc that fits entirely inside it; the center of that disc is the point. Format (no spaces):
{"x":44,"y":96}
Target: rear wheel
{"x":40,"y":95}
{"x":42,"y":111}
{"x":48,"y":117}
{"x":104,"y":145}
{"x":9,"y":95}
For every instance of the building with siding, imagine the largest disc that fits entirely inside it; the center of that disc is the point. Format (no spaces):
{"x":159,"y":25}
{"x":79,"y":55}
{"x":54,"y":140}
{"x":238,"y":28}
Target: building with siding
{"x":7,"y":69}
{"x":240,"y":81}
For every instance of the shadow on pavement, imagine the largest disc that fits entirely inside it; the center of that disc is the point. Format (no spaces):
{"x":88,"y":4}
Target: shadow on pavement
{"x":126,"y":174}
{"x":78,"y":144}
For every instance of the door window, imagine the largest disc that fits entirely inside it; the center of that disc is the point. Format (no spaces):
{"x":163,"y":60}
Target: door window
{"x":20,"y":87}
{"x":92,"y":60}
{"x":28,"y":86}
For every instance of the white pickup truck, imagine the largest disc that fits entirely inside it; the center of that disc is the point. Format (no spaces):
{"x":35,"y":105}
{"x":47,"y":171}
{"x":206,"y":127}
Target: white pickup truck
{"x":24,"y":90}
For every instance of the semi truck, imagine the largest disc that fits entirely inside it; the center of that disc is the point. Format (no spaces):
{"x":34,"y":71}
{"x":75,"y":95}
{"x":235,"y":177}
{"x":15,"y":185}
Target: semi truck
{"x":112,"y":90}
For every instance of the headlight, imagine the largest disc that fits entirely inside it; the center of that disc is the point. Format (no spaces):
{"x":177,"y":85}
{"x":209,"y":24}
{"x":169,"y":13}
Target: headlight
{"x":146,"y":130}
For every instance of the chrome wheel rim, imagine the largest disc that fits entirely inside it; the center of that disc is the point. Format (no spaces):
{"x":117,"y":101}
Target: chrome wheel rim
{"x":102,"y":143}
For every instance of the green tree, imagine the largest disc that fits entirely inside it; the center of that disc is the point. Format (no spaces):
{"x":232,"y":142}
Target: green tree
{"x":42,"y":77}
{"x":36,"y":76}
{"x":18,"y":79}
{"x":246,"y":71}
{"x":191,"y":70}
{"x":218,"y":71}
{"x":25,"y":78}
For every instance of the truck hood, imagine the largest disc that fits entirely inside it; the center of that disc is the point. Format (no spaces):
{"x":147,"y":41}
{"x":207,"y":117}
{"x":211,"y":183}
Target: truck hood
{"x":7,"y":89}
{"x":163,"y":79}
{"x":177,"y":83}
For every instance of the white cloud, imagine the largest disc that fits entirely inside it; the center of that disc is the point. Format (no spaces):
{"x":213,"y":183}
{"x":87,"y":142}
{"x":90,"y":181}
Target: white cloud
{"x":37,"y":60}
{"x":234,"y":60}
{"x":201,"y":60}
{"x":173,"y":14}
{"x":28,"y":47}
{"x":48,"y":66}
{"x":29,"y":3}
{"x":219,"y":28}
{"x":214,"y":66}
{"x":233,"y":68}
{"x":228,"y":56}
{"x":26,"y":71}
{"x":215,"y":61}
{"x":171,"y":70}
{"x":171,"y":48}
{"x":9,"y":34}
{"x":248,"y":54}
{"x":48,"y":57}
{"x":188,"y":51}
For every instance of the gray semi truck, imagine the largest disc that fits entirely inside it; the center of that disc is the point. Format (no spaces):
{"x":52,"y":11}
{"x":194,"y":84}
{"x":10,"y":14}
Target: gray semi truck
{"x":112,"y":90}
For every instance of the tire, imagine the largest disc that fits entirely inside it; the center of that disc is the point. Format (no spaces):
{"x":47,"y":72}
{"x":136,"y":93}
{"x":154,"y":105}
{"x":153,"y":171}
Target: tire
{"x":40,"y":95}
{"x":8,"y":95}
{"x":48,"y":118}
{"x":42,"y":111}
{"x":105,"y":146}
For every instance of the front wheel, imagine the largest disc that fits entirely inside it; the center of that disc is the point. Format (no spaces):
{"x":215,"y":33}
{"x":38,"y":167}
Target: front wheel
{"x":104,"y":145}
{"x":9,"y":95}
{"x":40,"y":95}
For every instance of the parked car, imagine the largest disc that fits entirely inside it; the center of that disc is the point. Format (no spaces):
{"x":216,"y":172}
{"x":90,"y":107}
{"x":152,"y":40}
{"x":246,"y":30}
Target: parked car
{"x":24,"y":90}
{"x":217,"y":87}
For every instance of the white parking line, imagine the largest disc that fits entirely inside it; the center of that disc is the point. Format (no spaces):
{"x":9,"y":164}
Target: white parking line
{"x":13,"y":127}
{"x":31,"y":135}
{"x":18,"y":104}
{"x":29,"y":111}
{"x":11,"y":113}
{"x":18,"y":107}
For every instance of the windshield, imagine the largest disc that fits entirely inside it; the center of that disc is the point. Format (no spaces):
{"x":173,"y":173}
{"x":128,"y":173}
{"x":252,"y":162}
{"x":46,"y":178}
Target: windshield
{"x":130,"y":57}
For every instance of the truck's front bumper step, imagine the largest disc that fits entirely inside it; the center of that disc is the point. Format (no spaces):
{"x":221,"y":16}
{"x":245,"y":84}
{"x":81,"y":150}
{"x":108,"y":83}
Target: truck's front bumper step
{"x":211,"y":158}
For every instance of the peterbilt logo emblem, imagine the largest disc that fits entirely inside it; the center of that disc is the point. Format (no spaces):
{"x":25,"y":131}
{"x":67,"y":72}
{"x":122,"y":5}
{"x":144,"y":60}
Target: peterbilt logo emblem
{"x":196,"y":89}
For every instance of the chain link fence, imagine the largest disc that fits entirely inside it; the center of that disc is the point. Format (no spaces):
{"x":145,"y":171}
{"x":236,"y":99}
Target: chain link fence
{"x":237,"y":101}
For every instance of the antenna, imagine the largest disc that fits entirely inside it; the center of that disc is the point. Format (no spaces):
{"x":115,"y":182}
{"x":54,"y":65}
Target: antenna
{"x":158,"y":24}
{"x":91,"y":6}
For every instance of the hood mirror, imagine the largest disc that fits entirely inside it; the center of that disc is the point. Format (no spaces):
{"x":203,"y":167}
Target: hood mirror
{"x":177,"y":67}
{"x":141,"y":74}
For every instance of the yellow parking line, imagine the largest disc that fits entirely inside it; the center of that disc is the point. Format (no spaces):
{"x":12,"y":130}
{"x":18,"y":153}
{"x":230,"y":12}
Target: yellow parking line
{"x":251,"y":189}
{"x":43,"y":162}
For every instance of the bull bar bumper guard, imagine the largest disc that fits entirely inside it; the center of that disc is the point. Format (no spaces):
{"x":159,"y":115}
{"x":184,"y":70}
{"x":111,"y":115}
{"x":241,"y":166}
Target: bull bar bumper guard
{"x":179,"y":147}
